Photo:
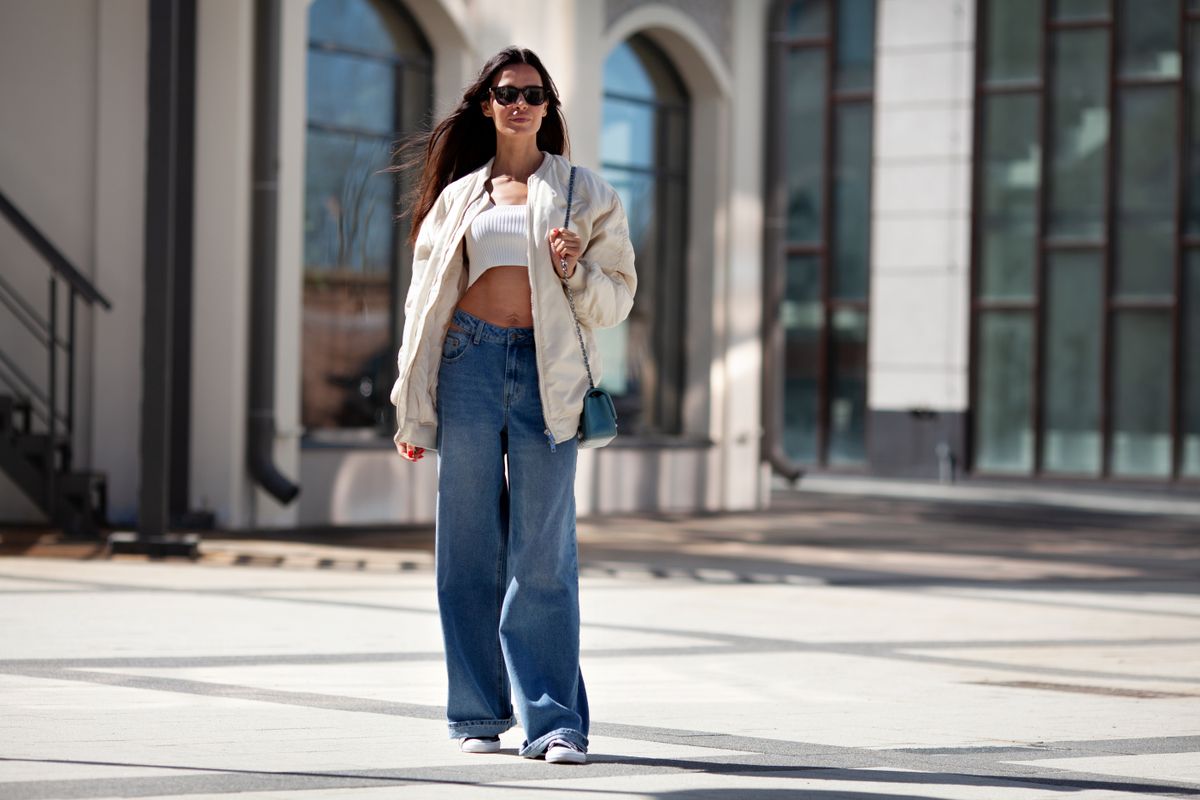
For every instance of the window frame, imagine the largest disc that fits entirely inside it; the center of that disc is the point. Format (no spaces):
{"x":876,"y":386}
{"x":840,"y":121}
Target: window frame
{"x":1105,"y":246}
{"x":779,"y":249}
{"x":399,"y":261}
{"x":666,"y":416}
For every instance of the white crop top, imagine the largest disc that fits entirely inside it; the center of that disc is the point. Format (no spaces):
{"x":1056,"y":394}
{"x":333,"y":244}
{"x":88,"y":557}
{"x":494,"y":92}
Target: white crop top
{"x":496,"y":238}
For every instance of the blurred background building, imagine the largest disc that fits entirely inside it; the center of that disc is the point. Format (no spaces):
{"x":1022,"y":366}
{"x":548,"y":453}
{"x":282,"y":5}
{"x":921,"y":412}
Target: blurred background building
{"x":902,"y":238}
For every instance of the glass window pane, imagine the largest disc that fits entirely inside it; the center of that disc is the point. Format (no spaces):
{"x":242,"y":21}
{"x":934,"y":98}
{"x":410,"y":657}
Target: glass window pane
{"x":361,"y":25}
{"x":625,"y":74}
{"x":668,"y":86}
{"x":1146,"y":176}
{"x":848,"y":388}
{"x":1014,"y":40}
{"x":627,"y":134}
{"x":643,"y":141}
{"x":416,"y":101}
{"x":1008,"y":207}
{"x":625,"y":349}
{"x":348,"y":364}
{"x":1079,"y":9}
{"x":852,"y":202}
{"x":804,"y":82}
{"x":1147,"y":38}
{"x":802,"y":318}
{"x":1193,"y":100}
{"x":1141,"y":394}
{"x":1190,"y":461}
{"x":806,"y":18}
{"x":351,"y":91}
{"x":355,"y":264}
{"x":1003,"y":431}
{"x":1074,"y":316}
{"x":855,"y":44}
{"x":349,"y":205}
{"x":1079,"y":131}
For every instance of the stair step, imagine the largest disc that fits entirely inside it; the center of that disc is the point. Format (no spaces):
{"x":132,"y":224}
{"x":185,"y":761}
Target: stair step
{"x":82,"y":507}
{"x":79,"y":504}
{"x":10,"y":409}
{"x":33,"y":446}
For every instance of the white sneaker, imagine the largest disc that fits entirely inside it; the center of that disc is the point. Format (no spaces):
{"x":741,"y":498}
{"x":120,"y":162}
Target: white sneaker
{"x":561,"y":751}
{"x":480,"y":744}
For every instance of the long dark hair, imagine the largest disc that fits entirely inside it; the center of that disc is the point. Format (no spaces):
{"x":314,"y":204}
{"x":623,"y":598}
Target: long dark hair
{"x":466,"y":139}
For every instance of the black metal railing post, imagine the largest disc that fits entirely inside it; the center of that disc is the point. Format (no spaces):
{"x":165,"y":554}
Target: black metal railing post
{"x":59,"y":416}
{"x":52,"y":411}
{"x":70,"y":420}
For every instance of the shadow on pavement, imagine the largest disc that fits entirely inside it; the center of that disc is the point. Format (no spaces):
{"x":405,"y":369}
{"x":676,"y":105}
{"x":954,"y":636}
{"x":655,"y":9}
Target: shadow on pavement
{"x":838,"y":540}
{"x":193,"y":780}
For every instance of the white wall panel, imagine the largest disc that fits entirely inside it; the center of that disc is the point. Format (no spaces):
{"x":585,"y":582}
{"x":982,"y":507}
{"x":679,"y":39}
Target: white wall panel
{"x":72,"y":158}
{"x":924,"y":131}
{"x":921,"y":244}
{"x":929,"y":187}
{"x":923,"y":24}
{"x":221,"y":252}
{"x":920,"y":256}
{"x":921,"y":323}
{"x":910,"y":77}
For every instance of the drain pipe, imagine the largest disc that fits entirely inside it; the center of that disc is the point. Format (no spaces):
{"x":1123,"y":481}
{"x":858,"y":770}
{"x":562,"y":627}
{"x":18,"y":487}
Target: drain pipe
{"x":261,"y":439}
{"x":772,"y":407}
{"x":774,"y":285}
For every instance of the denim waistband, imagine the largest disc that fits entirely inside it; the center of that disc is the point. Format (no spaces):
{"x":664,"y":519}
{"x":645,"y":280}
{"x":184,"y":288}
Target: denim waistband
{"x":481,"y":331}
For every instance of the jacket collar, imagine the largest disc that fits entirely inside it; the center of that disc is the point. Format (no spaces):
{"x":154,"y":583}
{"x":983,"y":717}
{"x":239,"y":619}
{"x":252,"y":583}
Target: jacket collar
{"x":480,"y":175}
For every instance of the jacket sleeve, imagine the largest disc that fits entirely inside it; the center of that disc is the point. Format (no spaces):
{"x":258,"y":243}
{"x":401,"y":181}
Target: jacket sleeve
{"x":605,"y":279}
{"x":422,"y":255}
{"x":422,"y":252}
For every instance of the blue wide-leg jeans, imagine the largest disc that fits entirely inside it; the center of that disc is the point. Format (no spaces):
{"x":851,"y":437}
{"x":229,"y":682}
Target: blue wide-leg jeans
{"x":507,"y":566}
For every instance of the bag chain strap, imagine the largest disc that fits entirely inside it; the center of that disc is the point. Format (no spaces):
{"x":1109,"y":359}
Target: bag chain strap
{"x":562,"y":263}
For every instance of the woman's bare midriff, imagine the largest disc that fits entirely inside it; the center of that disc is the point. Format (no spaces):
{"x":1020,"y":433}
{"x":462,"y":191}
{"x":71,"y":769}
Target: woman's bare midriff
{"x":501,"y":296}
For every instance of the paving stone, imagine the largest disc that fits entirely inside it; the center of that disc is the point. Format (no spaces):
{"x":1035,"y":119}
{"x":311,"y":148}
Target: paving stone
{"x":832,"y":648}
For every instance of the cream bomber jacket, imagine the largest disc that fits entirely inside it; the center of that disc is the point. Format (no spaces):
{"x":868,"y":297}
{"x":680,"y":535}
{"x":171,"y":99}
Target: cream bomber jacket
{"x":603,"y":284}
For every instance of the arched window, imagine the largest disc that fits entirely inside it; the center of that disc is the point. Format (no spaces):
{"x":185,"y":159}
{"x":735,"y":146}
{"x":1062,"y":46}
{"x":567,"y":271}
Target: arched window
{"x":644,"y":154}
{"x":369,"y":85}
{"x":818,"y":247}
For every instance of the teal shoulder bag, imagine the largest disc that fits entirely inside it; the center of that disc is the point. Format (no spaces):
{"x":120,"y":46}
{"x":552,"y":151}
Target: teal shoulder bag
{"x":598,"y":422}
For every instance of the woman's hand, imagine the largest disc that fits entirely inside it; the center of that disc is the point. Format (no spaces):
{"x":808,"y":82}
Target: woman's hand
{"x":565,"y":245}
{"x":410,"y":452}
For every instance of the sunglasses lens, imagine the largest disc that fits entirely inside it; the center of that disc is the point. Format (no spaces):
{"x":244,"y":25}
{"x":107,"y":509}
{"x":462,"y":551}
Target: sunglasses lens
{"x":535,"y":95}
{"x":505,"y":94}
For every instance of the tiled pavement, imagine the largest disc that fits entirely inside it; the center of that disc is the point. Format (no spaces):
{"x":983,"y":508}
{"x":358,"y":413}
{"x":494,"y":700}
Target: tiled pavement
{"x":835,"y":647}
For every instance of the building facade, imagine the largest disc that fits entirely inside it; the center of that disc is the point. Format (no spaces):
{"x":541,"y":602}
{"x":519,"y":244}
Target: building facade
{"x":905,"y":238}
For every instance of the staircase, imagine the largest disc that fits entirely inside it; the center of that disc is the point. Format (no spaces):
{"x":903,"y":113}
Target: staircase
{"x":37,"y":417}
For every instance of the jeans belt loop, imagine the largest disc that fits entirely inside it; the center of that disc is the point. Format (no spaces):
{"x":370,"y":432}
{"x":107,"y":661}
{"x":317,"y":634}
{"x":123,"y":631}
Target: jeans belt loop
{"x":478,"y":331}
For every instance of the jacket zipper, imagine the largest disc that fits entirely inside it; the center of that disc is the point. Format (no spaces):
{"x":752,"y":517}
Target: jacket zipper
{"x":435,"y":289}
{"x":533,"y":297}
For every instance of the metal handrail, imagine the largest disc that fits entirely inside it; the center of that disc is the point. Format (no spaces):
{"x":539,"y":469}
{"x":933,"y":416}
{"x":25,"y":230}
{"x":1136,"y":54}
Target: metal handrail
{"x":52,"y":255}
{"x":26,"y":314}
{"x":23,"y":383}
{"x":59,"y":425}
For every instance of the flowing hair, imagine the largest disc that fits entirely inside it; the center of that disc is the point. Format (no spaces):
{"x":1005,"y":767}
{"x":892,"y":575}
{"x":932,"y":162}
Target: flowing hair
{"x":466,"y":139}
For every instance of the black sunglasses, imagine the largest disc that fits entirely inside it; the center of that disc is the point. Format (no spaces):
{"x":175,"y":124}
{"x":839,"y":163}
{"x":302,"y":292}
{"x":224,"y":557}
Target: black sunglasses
{"x":507,"y":95}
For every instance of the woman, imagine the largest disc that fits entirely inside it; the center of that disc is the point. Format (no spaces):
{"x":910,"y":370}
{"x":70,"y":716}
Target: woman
{"x":491,"y":376}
